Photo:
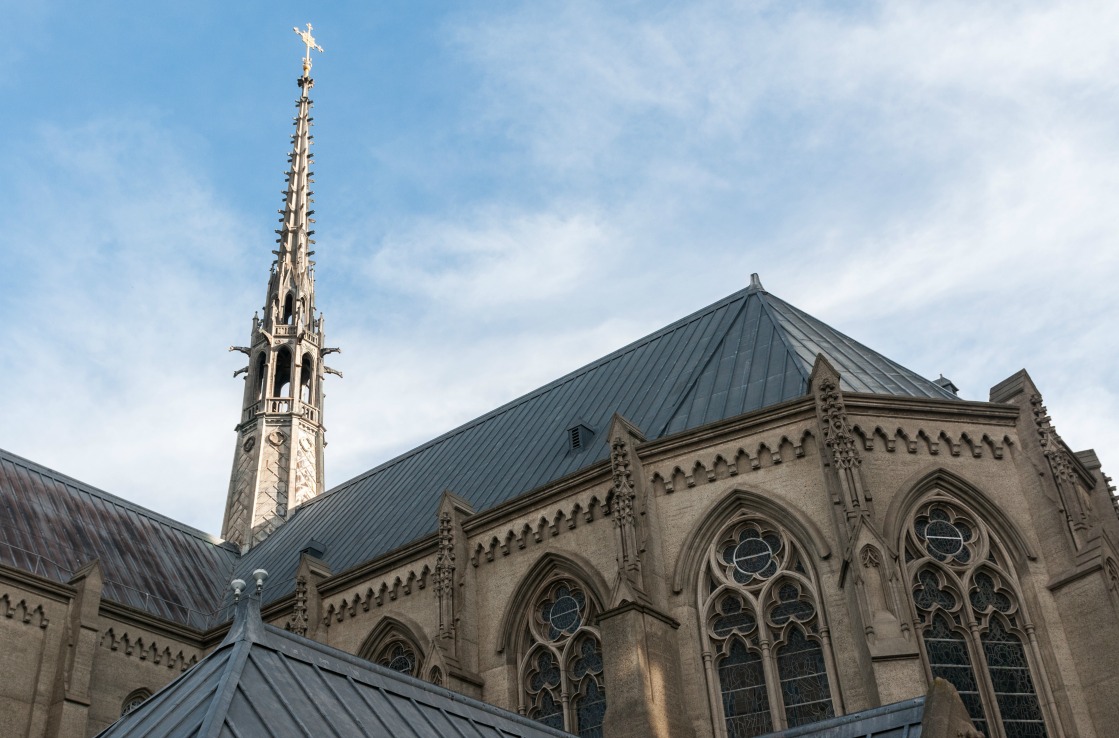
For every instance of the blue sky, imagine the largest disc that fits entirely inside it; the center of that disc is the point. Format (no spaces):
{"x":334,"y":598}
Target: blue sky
{"x":507,"y":191}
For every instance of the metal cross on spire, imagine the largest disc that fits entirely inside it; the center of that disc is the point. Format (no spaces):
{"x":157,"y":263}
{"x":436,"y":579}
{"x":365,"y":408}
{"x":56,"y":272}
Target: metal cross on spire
{"x":309,"y":42}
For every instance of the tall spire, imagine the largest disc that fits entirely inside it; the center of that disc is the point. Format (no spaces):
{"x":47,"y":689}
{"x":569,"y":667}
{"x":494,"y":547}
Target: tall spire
{"x":278,"y":461}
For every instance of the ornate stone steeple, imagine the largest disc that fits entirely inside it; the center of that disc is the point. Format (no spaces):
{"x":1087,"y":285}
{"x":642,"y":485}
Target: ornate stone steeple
{"x":278,"y":461}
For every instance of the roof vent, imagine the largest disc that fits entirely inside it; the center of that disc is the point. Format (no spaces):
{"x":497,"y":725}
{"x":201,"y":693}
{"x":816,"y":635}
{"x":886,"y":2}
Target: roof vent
{"x":314,"y":548}
{"x":578,"y":438}
{"x":946,"y":383}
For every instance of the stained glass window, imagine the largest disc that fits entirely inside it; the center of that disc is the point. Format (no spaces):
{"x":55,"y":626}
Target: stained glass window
{"x":949,"y":660}
{"x":755,"y":569}
{"x":742,"y":682}
{"x":965,"y":588}
{"x":804,"y":680}
{"x":134,"y":700}
{"x":564,"y":658}
{"x":399,"y":656}
{"x":1010,"y":677}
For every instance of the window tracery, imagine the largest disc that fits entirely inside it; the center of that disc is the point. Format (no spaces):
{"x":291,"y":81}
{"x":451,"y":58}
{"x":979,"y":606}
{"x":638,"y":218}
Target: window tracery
{"x":561,"y":671}
{"x":392,"y":644}
{"x":769,"y":657}
{"x":134,"y":700}
{"x":399,"y":655}
{"x":973,"y":630}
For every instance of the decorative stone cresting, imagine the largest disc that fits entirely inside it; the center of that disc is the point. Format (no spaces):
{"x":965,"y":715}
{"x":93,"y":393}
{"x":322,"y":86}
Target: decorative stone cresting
{"x":974,"y":442}
{"x":146,"y":650}
{"x":298,"y":621}
{"x":520,"y":534}
{"x":23,"y":612}
{"x":363,"y":601}
{"x":721,"y":468}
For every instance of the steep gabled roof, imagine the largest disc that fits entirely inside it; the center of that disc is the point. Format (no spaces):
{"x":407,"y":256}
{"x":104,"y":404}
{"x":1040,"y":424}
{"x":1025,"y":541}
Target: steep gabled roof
{"x":268,"y":683}
{"x":52,"y":525}
{"x":748,"y":351}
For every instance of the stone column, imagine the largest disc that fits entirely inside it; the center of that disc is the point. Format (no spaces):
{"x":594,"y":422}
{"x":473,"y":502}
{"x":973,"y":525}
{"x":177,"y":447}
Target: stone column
{"x":642,"y":667}
{"x":69,"y":709}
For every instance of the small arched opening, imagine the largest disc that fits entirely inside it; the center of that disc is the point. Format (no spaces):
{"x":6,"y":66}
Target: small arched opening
{"x":281,"y":380}
{"x":289,"y":309}
{"x":260,"y":374}
{"x":306,"y":377}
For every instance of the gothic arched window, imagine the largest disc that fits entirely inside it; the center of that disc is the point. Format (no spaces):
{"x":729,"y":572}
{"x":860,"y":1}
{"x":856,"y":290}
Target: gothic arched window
{"x":399,"y":655}
{"x":134,"y":700}
{"x":560,"y":660}
{"x":306,"y":376}
{"x":973,"y":629}
{"x":391,"y":644}
{"x":767,"y":652}
{"x":281,"y":380}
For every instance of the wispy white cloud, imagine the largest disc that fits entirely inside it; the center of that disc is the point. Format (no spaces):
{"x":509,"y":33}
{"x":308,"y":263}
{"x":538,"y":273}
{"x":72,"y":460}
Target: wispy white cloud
{"x":935,"y":180}
{"x":119,"y":306}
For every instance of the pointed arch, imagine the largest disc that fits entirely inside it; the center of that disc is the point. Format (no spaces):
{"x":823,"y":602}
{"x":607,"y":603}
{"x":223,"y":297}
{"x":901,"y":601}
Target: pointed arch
{"x":546,"y":566}
{"x":306,"y":378}
{"x":695,"y":544}
{"x":550,"y":637}
{"x":289,"y":309}
{"x":395,"y":642}
{"x":281,"y":380}
{"x":767,"y":653}
{"x":134,"y":699}
{"x":969,"y":608}
{"x":954,"y":485}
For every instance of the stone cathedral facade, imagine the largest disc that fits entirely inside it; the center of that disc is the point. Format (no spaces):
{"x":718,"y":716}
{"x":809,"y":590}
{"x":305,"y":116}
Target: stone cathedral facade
{"x":743,"y":522}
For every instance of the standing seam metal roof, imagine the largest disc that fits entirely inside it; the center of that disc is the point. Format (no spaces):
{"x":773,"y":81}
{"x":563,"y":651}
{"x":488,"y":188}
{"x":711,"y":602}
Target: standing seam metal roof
{"x":265,"y":682}
{"x":52,"y":525}
{"x":743,"y":353}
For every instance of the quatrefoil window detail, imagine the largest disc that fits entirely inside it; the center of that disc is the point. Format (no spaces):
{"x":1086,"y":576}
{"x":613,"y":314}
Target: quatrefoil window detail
{"x":546,"y":674}
{"x":564,"y":614}
{"x":929,"y":593}
{"x":943,"y":537}
{"x":733,"y":618}
{"x":985,"y":595}
{"x":753,"y":555}
{"x":791,"y":607}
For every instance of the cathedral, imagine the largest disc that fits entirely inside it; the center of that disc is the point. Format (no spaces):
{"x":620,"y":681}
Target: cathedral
{"x":741,"y":524}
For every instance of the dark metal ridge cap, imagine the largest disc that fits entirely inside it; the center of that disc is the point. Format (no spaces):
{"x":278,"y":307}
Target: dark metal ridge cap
{"x":659,"y":333}
{"x":819,"y":728}
{"x":783,"y":333}
{"x":109,"y":497}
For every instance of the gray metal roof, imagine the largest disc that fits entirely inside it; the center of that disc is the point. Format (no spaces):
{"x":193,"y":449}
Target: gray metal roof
{"x":52,"y":525}
{"x":898,"y":720}
{"x":265,"y":682}
{"x":743,"y":353}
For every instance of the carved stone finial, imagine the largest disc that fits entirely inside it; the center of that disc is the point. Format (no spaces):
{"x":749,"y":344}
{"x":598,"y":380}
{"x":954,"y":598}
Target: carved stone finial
{"x":445,"y":576}
{"x":297,"y":623}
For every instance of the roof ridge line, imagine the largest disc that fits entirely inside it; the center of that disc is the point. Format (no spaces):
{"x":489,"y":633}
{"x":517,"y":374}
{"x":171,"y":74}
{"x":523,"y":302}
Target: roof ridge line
{"x":781,"y":331}
{"x":709,"y":352}
{"x":618,"y":353}
{"x":109,"y":496}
